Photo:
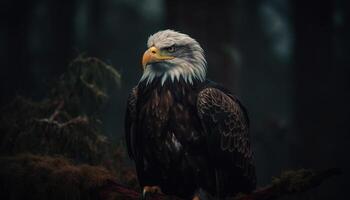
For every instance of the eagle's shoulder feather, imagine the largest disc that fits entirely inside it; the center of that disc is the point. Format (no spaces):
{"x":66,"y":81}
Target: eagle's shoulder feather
{"x":225,"y":112}
{"x":130,"y":120}
{"x":226,"y":124}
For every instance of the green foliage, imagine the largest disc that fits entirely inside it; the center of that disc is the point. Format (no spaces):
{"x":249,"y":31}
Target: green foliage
{"x":87,"y":85}
{"x":28,"y":126}
{"x":65,"y":124}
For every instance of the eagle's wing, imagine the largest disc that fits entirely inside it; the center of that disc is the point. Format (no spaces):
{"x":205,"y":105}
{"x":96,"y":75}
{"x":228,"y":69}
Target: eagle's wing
{"x":226,"y":126}
{"x":130,"y":123}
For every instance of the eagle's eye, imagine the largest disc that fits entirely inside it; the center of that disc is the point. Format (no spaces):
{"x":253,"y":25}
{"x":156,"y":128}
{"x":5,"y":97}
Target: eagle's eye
{"x":170,"y":49}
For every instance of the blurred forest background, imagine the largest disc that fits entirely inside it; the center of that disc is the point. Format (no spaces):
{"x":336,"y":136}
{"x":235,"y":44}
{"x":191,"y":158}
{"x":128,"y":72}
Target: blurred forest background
{"x":287,"y":60}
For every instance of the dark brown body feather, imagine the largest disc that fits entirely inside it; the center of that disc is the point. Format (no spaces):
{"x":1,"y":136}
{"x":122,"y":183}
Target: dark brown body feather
{"x":187,"y":137}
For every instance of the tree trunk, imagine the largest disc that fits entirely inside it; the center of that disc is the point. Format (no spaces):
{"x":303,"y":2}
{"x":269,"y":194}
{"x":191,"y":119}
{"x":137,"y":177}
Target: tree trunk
{"x":210,"y":23}
{"x":16,"y":16}
{"x":314,"y":115}
{"x":322,"y":90}
{"x":62,"y":15}
{"x":95,"y":10}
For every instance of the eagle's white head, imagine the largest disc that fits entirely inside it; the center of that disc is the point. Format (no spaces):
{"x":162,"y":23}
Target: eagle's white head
{"x":173,"y":55}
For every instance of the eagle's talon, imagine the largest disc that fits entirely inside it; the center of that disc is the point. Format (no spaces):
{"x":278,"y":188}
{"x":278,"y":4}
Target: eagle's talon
{"x":144,"y":195}
{"x":149,"y":190}
{"x":196,"y":197}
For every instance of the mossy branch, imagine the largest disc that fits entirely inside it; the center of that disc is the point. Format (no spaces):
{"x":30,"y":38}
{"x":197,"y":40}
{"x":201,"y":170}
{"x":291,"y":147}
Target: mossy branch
{"x":289,"y":182}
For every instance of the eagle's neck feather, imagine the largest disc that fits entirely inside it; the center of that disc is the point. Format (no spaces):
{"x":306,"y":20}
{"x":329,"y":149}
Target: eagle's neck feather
{"x":190,"y":72}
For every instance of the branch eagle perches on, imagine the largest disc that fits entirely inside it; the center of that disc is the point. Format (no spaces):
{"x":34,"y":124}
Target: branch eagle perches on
{"x":289,"y":182}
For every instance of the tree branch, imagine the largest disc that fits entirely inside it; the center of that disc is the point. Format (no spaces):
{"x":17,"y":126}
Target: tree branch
{"x":289,"y":182}
{"x":57,"y":111}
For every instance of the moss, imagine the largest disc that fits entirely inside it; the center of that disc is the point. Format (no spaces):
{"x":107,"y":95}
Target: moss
{"x":122,"y":169}
{"x":294,"y":181}
{"x":41,"y":177}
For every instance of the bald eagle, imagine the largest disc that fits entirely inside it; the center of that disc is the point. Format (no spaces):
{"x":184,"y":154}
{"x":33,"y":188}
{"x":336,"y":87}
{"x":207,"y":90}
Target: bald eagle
{"x":188,"y":136}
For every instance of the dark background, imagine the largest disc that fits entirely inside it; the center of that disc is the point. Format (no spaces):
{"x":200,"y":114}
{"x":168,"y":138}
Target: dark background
{"x":287,"y":60}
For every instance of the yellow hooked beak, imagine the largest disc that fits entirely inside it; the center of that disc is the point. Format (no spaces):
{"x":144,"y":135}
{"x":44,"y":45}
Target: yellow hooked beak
{"x":153,"y":55}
